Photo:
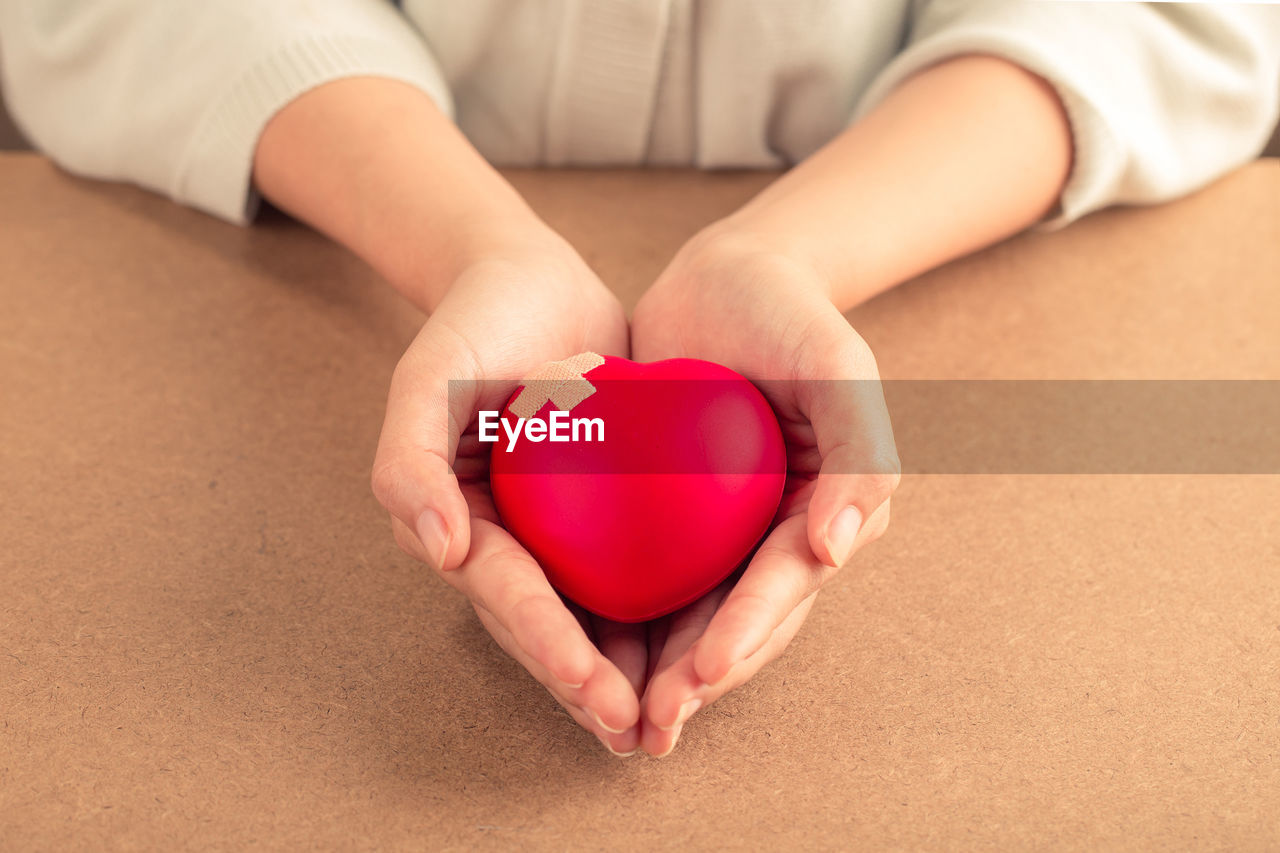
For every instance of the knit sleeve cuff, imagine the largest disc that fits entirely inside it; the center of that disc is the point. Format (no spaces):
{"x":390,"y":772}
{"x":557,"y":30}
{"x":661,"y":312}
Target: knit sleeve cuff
{"x":215,"y":171}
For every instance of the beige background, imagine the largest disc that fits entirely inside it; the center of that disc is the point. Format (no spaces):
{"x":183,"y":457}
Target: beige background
{"x":209,"y":639}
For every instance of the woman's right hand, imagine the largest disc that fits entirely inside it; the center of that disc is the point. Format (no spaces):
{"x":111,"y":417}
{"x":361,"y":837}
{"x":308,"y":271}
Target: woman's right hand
{"x":503,"y":316}
{"x":373,"y":163}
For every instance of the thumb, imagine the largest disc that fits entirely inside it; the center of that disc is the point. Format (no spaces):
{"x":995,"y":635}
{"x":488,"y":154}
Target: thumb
{"x":860,"y":467}
{"x":413,"y":473}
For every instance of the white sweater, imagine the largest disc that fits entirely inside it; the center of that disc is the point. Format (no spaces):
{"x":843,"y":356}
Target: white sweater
{"x":173,"y":94}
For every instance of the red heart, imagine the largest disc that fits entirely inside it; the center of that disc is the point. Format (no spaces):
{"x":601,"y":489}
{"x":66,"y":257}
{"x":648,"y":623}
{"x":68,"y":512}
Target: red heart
{"x":683,"y":486}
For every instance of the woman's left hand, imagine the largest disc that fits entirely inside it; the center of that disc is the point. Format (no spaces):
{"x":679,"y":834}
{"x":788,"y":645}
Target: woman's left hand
{"x":727,"y":298}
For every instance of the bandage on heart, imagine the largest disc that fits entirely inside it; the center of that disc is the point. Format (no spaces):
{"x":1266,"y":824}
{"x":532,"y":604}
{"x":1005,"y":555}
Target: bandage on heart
{"x":564,"y":383}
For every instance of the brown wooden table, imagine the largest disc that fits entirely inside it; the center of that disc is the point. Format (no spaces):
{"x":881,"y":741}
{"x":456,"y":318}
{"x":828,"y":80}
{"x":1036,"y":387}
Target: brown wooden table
{"x":209,"y":639}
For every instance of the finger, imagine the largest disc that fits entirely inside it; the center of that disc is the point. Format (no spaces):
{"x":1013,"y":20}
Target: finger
{"x":659,"y":630}
{"x":409,"y":542}
{"x":426,"y":414}
{"x":626,"y":645}
{"x":579,"y":702}
{"x":501,"y":576}
{"x":782,"y":573}
{"x":685,"y":627}
{"x":622,"y":745}
{"x":584,"y":620}
{"x":677,"y":693}
{"x":851,"y":426}
{"x":672,"y":637}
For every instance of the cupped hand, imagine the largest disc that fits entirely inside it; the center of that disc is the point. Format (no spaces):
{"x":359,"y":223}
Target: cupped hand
{"x":727,"y":298}
{"x":502,"y":317}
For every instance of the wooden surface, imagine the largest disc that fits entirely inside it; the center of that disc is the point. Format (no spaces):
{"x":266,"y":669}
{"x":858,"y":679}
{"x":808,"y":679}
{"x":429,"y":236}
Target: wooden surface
{"x":208,"y":638}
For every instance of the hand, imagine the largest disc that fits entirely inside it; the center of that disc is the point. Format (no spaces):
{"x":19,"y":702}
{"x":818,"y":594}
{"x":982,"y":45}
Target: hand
{"x":397,"y":183}
{"x":503,"y":316}
{"x":728,"y":299}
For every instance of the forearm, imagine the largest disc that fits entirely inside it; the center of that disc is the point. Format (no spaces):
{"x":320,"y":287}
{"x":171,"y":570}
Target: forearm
{"x":962,"y":155}
{"x":373,"y":163}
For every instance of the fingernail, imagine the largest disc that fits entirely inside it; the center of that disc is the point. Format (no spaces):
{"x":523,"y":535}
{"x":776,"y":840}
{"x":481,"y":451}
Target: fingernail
{"x":675,"y":739}
{"x":601,"y":723}
{"x":615,"y":752}
{"x":686,"y":711}
{"x":434,"y":536}
{"x":841,"y":533}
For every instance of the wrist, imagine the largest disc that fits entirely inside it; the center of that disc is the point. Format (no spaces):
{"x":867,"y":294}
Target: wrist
{"x":962,"y":154}
{"x":373,"y":163}
{"x":515,"y":268}
{"x":738,"y":253}
{"x":424,"y":270}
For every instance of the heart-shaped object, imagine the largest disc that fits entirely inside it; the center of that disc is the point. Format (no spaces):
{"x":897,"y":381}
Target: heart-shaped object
{"x":663,"y":478}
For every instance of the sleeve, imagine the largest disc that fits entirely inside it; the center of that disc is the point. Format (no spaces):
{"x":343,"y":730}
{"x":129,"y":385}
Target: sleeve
{"x":173,"y":94}
{"x":1162,"y":97}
